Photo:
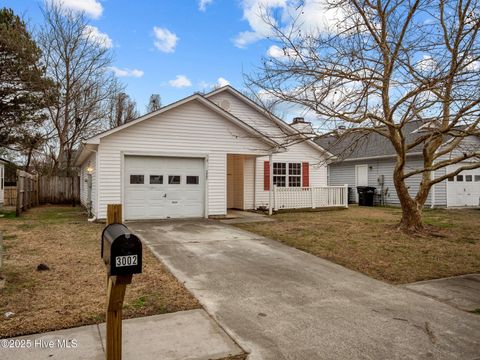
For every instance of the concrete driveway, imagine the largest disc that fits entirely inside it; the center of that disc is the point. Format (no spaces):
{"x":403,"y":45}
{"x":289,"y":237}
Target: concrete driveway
{"x":281,"y":303}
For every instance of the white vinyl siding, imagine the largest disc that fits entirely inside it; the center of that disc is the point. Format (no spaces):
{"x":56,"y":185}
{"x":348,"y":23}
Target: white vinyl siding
{"x":247,"y":114}
{"x":188,"y":129}
{"x":344,"y":173}
{"x":298,"y":153}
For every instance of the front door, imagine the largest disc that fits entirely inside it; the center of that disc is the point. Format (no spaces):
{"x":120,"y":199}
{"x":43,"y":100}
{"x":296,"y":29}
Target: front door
{"x":361,"y":176}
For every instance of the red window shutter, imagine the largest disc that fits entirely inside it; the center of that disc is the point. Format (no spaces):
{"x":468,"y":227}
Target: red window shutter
{"x":305,"y":174}
{"x":266,"y":175}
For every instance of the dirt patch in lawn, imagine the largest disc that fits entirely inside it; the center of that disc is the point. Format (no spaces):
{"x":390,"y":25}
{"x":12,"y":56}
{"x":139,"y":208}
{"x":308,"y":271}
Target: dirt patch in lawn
{"x":367,"y":240}
{"x":72,"y":292}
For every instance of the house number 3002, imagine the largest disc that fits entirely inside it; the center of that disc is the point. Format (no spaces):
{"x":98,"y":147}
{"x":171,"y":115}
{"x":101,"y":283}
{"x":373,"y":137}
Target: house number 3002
{"x":129,"y":260}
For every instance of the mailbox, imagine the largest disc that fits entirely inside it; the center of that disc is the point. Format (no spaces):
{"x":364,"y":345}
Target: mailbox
{"x":121,"y":251}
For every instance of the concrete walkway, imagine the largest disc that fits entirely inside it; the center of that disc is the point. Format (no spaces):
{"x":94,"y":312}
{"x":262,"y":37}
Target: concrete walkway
{"x":182,"y":335}
{"x":462,"y":292}
{"x":281,"y":303}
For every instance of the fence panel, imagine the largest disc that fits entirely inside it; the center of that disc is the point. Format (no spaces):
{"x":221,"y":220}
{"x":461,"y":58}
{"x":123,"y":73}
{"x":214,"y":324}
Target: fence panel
{"x":59,"y":189}
{"x":311,"y":197}
{"x":10,"y":196}
{"x":27,"y":191}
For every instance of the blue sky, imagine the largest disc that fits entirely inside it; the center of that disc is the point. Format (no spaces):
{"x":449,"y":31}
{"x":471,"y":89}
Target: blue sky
{"x":209,"y":42}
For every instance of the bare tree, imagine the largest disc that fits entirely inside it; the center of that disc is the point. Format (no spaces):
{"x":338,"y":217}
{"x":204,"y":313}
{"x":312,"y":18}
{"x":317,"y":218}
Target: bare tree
{"x":154,"y":103}
{"x":122,"y":110}
{"x":78,"y":62}
{"x":380,"y":66}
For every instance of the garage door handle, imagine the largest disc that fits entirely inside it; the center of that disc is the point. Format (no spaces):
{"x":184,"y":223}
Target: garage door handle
{"x":164,"y":195}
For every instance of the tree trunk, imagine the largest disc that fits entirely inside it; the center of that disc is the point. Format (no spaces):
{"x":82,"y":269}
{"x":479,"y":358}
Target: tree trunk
{"x":29,"y":159}
{"x":411,"y":209}
{"x":411,"y":216}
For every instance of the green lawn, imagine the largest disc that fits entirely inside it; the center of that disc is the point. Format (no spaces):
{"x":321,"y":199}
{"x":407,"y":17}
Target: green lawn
{"x":367,"y":240}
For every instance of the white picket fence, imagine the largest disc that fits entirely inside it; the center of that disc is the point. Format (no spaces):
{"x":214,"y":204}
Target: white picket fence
{"x":310,"y":197}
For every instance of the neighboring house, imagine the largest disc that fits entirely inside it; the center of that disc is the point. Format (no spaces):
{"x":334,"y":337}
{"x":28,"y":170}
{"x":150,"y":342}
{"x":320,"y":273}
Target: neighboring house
{"x":2,"y":182}
{"x":197,"y":157}
{"x":369,"y":160}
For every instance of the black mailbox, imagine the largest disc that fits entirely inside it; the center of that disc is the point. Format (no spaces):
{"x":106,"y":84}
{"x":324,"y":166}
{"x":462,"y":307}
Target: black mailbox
{"x":121,"y":251}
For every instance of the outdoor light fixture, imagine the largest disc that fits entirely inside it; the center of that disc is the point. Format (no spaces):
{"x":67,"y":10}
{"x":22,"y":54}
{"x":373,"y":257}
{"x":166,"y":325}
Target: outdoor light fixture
{"x":89,"y":169}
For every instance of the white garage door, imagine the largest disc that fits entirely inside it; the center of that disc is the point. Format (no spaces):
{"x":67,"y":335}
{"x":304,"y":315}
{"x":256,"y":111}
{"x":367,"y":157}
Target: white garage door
{"x":164,"y":187}
{"x":463,"y":189}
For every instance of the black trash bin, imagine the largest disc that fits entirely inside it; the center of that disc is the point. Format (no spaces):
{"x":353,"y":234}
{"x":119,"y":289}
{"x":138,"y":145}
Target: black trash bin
{"x":365,"y":195}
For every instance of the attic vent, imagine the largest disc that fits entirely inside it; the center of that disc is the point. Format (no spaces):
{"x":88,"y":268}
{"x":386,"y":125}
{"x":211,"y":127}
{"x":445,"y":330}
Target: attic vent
{"x":224,"y":104}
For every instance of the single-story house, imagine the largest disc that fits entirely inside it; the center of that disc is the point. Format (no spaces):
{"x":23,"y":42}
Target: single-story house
{"x":369,"y":160}
{"x":197,"y":157}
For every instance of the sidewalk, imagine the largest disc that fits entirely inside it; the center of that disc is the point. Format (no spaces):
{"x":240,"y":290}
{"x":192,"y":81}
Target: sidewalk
{"x":182,"y":335}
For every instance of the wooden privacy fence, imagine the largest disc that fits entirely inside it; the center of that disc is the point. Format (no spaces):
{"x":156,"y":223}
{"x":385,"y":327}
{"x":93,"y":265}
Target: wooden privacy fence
{"x":311,"y":197}
{"x":27,"y":191}
{"x":10,"y":196}
{"x":59,"y":189}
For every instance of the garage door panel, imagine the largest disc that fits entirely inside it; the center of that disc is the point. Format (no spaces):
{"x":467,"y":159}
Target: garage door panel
{"x":464,"y":188}
{"x":156,"y":198}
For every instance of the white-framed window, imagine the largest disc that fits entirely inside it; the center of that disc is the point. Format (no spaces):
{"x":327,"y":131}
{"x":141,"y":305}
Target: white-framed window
{"x":279,"y":174}
{"x":294,"y":174}
{"x":287,"y":174}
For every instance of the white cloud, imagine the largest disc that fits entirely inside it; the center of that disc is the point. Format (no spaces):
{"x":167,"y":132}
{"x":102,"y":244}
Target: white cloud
{"x":181,"y":81}
{"x":311,"y":16}
{"x":278,"y":53}
{"x":125,"y":72}
{"x":427,"y":63}
{"x":92,"y":8}
{"x":165,"y":40}
{"x":96,"y":36}
{"x":202,"y":4}
{"x":222,"y":82}
{"x":471,"y":64}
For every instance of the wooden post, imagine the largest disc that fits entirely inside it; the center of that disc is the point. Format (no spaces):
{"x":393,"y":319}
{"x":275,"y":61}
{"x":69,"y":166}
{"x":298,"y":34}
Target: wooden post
{"x":114,"y":214}
{"x":115,"y":296}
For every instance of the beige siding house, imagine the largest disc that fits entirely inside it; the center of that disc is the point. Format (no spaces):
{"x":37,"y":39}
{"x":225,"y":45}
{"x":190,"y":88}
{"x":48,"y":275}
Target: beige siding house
{"x":197,"y":157}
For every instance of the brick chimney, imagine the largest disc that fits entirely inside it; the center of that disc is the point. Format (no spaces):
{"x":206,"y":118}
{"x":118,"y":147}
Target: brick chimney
{"x":305,"y":127}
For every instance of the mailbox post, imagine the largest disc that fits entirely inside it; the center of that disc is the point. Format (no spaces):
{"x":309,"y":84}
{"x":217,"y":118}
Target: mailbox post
{"x":122,"y":253}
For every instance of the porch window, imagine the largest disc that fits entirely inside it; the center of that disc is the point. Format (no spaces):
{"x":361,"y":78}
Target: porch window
{"x":280,"y":174}
{"x":295,"y":175}
{"x":290,"y":178}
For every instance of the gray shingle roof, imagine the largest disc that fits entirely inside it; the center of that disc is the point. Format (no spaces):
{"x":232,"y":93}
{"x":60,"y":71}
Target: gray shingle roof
{"x":368,"y":144}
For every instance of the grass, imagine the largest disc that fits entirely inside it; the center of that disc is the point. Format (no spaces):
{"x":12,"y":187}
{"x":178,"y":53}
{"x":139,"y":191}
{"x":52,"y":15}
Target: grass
{"x":72,"y":292}
{"x":367,"y":240}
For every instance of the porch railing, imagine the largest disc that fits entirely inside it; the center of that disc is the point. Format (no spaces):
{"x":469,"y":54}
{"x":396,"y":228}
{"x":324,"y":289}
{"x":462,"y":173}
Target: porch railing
{"x":310,"y":197}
